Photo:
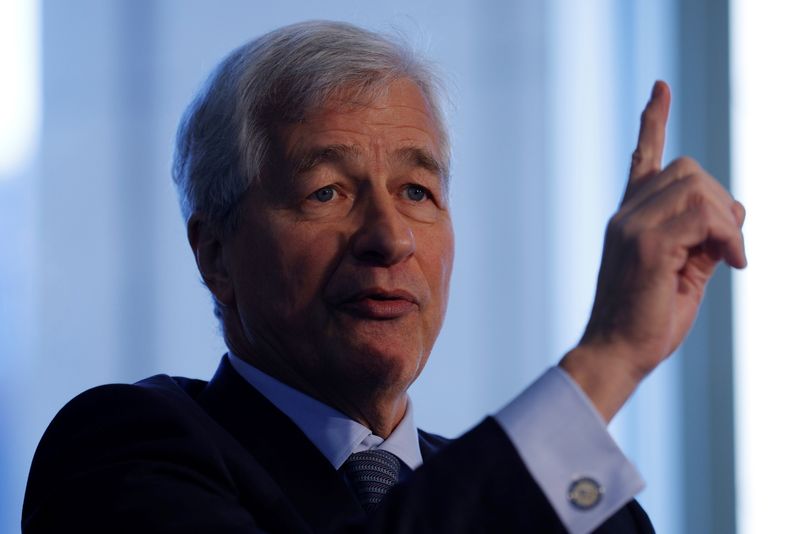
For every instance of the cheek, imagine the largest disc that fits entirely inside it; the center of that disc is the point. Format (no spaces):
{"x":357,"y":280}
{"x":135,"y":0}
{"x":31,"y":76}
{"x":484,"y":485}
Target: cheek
{"x":265,"y":281}
{"x":437,"y":253}
{"x":442,"y":245}
{"x":447,"y":263}
{"x":301,"y":265}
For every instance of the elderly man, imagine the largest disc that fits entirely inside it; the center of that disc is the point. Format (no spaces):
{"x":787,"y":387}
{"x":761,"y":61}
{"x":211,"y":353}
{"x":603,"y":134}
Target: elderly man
{"x":313,"y":174}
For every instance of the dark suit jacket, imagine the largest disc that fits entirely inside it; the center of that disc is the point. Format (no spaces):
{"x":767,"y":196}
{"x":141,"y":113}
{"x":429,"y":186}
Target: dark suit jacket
{"x":179,"y":455}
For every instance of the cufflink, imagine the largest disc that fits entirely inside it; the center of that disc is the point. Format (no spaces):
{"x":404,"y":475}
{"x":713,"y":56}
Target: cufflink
{"x":584,"y":493}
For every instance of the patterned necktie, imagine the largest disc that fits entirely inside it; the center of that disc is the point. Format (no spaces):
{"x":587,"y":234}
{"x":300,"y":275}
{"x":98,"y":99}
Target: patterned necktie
{"x":372,"y":473}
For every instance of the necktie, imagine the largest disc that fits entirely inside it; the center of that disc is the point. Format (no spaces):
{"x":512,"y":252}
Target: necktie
{"x":372,"y":473}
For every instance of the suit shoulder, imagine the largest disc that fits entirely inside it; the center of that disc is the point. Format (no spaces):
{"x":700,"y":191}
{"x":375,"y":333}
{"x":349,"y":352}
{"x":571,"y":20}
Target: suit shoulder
{"x":158,"y":396}
{"x":117,"y":424}
{"x":114,"y":416}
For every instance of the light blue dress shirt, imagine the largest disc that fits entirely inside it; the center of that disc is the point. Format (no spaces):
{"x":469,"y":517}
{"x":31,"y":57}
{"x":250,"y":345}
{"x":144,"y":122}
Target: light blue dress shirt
{"x":333,"y":433}
{"x":554,"y":427}
{"x":563,"y":439}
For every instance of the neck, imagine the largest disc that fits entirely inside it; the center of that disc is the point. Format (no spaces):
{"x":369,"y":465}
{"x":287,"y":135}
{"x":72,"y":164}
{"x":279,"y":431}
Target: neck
{"x":381,"y":416}
{"x":379,"y":409}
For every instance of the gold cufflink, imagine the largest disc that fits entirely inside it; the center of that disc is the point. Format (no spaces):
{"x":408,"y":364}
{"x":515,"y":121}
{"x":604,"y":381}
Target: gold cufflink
{"x":584,"y":493}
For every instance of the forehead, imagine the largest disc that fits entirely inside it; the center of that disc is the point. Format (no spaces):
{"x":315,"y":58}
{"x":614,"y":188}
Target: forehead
{"x":398,"y":118}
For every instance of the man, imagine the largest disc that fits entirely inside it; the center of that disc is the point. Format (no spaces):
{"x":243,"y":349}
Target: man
{"x":313,"y":174}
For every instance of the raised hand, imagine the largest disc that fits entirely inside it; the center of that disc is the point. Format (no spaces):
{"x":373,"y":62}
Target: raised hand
{"x":671,"y":230}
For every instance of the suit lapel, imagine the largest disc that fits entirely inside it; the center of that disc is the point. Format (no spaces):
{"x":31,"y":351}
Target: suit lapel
{"x":430,"y":444}
{"x":309,"y":481}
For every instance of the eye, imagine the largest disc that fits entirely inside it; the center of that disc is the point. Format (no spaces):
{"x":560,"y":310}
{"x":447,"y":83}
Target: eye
{"x":417,"y":193}
{"x":326,"y":194}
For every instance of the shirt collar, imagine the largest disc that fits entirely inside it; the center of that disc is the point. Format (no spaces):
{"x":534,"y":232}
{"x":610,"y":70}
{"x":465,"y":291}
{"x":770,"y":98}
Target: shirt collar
{"x":332,"y":432}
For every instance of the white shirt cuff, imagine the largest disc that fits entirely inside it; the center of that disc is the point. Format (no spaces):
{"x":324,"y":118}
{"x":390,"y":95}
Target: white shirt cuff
{"x":567,"y":449}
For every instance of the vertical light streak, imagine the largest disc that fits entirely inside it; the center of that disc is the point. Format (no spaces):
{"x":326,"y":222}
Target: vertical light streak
{"x":766,"y":114}
{"x":20,"y":94}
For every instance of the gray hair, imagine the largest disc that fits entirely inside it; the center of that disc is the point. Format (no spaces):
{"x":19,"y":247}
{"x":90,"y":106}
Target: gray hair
{"x":226,"y":135}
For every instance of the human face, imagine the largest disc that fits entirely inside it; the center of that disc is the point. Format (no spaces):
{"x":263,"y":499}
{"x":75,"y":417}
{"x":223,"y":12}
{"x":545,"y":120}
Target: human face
{"x":341,"y":263}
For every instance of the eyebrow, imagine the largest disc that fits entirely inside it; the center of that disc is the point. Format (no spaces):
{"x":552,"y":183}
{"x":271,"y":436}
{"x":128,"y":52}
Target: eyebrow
{"x":325,"y":154}
{"x":420,"y":157}
{"x":337,"y":153}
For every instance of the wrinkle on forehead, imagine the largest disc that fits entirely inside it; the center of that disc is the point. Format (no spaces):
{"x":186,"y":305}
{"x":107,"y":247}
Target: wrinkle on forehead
{"x":410,"y":156}
{"x":399,"y":116}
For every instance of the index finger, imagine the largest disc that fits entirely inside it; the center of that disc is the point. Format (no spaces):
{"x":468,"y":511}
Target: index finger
{"x":646,"y":159}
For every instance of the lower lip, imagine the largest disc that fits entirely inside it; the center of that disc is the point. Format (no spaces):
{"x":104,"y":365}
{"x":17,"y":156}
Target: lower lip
{"x":379,"y":309}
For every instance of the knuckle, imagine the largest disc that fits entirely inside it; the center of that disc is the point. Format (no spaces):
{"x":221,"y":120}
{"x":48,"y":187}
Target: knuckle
{"x":702,"y":213}
{"x":637,"y":157}
{"x":739,"y":212}
{"x":695,"y":191}
{"x":686,"y":165}
{"x":693,"y":182}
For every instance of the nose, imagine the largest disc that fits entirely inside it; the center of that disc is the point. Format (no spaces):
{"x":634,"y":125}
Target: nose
{"x":384,"y":236}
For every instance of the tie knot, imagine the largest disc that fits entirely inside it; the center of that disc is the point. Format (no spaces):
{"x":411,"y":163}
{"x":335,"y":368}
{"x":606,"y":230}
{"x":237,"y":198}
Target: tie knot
{"x":372,"y":473}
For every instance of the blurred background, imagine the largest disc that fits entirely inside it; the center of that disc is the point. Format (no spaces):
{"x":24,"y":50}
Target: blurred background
{"x":97,"y":283}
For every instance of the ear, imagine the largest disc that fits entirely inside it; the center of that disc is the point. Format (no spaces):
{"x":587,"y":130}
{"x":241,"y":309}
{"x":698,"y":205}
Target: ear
{"x":208,"y":254}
